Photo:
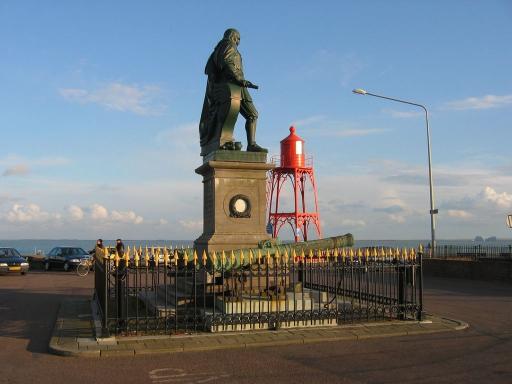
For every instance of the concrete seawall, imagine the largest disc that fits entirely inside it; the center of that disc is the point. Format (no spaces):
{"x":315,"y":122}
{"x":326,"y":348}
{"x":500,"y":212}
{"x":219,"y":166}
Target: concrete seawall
{"x":489,"y":270}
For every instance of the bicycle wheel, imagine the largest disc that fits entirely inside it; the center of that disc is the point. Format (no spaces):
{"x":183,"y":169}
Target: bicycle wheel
{"x":83,"y":268}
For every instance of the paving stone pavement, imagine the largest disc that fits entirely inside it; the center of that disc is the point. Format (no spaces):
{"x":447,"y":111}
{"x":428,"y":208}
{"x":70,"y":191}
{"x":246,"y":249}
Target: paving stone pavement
{"x":74,"y":335}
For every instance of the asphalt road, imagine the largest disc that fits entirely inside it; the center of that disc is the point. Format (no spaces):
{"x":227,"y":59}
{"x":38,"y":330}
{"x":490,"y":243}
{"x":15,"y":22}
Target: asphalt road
{"x":483,"y":353}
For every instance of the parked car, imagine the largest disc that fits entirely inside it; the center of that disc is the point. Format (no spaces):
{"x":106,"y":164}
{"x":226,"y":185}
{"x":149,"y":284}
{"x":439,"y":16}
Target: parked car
{"x":12,"y":262}
{"x":65,"y":257}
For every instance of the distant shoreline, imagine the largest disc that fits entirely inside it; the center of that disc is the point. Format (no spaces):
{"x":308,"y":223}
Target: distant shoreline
{"x":32,"y":246}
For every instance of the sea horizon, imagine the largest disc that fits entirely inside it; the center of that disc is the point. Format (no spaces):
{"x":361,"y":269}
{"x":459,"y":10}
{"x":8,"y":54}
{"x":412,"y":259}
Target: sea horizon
{"x":32,"y":246}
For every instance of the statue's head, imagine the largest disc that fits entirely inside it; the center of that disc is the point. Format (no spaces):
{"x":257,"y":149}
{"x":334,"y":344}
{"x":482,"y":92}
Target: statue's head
{"x":232,"y":35}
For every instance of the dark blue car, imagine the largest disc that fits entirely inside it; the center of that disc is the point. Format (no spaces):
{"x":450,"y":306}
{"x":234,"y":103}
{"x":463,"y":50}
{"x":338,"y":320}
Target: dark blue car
{"x":65,"y":257}
{"x":12,"y":262}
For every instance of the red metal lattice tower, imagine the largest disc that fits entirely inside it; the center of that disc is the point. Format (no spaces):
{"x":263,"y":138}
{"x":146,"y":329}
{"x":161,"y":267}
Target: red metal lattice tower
{"x":296,"y":168}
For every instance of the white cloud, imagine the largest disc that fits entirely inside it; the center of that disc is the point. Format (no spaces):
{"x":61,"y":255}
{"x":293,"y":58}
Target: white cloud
{"x":397,"y":218}
{"x":358,"y":132}
{"x":126,"y":217}
{"x":50,"y":161}
{"x":20,"y":165}
{"x":353,"y":223}
{"x":27,"y":213}
{"x":75,"y":212}
{"x":319,"y":125}
{"x":17,"y":170}
{"x":308,"y":121}
{"x":459,"y":213}
{"x":192,"y":224}
{"x":140,"y":100}
{"x":402,"y":114}
{"x":182,"y":134}
{"x":332,"y":67}
{"x":484,"y":102}
{"x":98,"y":212}
{"x":503,"y":200}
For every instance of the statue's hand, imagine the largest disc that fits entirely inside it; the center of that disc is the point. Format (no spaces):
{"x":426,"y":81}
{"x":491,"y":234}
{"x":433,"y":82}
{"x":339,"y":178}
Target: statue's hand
{"x":248,"y":84}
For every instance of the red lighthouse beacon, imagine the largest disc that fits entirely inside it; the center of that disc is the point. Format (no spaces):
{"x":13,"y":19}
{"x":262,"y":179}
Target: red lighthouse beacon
{"x":296,"y":168}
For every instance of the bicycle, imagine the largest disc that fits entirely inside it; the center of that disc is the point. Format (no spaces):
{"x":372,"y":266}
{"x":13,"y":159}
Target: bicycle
{"x":84,"y":267}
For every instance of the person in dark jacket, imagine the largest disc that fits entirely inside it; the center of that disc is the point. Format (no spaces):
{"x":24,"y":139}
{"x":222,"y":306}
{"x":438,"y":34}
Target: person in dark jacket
{"x":120,"y":275}
{"x":99,"y":251}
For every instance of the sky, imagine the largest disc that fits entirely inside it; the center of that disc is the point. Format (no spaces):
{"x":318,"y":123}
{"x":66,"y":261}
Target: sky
{"x":100,"y":103}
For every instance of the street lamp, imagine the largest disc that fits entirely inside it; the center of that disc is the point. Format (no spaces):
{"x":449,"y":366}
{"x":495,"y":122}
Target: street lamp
{"x":433,"y":211}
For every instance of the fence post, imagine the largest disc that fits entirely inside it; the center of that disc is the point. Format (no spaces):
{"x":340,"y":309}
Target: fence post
{"x":420,"y":278}
{"x":104,"y":330}
{"x":401,"y":289}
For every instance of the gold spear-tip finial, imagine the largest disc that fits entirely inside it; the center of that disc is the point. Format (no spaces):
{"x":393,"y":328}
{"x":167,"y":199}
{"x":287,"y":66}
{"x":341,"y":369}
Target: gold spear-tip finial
{"x":242,"y":257}
{"x":232,"y":258}
{"x":214,"y":259}
{"x":166,"y":257}
{"x":136,"y":257}
{"x":176,"y":257}
{"x":185,"y":257}
{"x":127,"y":255}
{"x":146,"y":257}
{"x":156,"y":255}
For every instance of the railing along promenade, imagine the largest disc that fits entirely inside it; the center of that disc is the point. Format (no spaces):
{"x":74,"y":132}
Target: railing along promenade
{"x":163,"y":291}
{"x":473,"y":252}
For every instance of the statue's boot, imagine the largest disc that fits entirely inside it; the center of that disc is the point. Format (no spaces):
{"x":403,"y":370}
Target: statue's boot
{"x":228,"y":146}
{"x":250,"y":128}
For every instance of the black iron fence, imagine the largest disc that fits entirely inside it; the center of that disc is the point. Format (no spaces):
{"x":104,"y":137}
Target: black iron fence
{"x":159,"y":292}
{"x":473,"y":252}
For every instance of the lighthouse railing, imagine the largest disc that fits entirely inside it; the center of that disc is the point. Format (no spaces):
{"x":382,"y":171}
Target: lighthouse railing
{"x":276,"y":160}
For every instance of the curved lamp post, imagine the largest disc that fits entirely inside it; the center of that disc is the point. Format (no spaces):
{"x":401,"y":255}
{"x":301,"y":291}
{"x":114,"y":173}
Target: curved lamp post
{"x":433,"y":211}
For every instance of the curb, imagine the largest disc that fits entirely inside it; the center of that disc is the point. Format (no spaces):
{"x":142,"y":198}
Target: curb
{"x":67,"y":337}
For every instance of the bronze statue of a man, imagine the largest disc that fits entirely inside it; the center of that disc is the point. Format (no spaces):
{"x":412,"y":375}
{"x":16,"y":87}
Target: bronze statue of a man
{"x":226,"y":96}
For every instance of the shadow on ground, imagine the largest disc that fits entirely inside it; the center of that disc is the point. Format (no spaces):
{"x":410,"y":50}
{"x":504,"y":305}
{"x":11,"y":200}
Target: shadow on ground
{"x":28,"y":310}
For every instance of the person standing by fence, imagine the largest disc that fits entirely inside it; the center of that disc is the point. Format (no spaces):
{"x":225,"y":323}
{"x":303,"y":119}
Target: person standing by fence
{"x":98,"y":252}
{"x":120,"y":275}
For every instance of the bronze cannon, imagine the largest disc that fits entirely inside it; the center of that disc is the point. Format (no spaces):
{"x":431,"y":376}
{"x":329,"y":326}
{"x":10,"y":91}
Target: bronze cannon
{"x":242,"y":257}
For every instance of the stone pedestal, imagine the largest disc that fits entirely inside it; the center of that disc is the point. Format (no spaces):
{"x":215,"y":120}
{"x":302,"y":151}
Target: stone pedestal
{"x":234,"y":200}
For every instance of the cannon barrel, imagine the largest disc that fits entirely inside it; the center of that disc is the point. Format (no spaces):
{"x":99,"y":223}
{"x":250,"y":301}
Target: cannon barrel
{"x":233,"y":258}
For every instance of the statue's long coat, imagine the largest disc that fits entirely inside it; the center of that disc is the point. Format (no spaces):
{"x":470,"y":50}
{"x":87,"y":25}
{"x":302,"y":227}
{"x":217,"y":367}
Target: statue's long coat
{"x":224,"y":65}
